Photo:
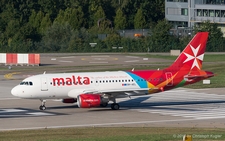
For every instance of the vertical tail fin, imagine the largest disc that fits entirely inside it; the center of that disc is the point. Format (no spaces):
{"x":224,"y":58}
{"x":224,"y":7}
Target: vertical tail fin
{"x":192,"y":56}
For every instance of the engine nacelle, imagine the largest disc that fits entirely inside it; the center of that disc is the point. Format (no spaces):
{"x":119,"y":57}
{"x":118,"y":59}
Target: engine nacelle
{"x":69,"y":100}
{"x":89,"y":100}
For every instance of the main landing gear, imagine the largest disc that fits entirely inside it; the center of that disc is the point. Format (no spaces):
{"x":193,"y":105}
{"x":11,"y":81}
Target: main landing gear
{"x":42,"y":107}
{"x":115,"y":106}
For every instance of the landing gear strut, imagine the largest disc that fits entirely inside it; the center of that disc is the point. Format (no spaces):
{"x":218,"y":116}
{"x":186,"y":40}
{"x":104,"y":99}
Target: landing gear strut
{"x":42,"y":107}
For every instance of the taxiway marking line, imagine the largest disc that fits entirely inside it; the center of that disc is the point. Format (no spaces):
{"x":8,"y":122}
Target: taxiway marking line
{"x":132,"y":61}
{"x":132,"y":57}
{"x":9,"y":98}
{"x":98,"y":62}
{"x":66,"y":61}
{"x":101,"y":56}
{"x":68,"y":57}
{"x":11,"y":110}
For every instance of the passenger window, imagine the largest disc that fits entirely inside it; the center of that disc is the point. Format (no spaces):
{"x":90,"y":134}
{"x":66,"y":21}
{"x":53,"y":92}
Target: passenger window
{"x":31,"y":83}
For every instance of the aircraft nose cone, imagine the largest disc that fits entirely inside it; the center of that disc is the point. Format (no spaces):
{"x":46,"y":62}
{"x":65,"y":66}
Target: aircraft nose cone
{"x":14,"y":91}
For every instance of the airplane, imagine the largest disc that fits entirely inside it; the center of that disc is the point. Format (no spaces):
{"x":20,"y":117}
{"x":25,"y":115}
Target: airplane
{"x":94,"y":89}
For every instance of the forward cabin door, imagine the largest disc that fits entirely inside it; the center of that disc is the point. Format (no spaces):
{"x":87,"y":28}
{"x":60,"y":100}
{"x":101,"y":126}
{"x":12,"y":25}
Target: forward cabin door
{"x":169,"y":78}
{"x":44,"y":85}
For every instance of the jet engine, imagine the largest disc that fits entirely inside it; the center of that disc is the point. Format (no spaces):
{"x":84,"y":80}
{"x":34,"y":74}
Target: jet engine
{"x":90,"y":100}
{"x":69,"y":100}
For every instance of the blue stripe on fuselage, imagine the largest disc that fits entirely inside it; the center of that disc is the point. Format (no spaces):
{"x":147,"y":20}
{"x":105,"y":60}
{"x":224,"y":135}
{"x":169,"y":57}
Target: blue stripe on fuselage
{"x":140,"y":81}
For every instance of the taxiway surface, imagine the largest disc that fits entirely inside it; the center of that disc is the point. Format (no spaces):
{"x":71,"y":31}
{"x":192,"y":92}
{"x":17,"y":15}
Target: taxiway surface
{"x":176,"y":108}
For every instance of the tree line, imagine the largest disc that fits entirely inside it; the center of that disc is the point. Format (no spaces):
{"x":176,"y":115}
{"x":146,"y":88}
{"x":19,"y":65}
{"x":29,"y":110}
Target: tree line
{"x":70,"y":25}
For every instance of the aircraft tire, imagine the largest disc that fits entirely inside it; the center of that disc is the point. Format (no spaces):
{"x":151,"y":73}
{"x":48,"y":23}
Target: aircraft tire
{"x":115,"y":106}
{"x":42,"y":107}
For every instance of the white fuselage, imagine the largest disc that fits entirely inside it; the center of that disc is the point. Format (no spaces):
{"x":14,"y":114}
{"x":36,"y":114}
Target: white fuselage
{"x":67,"y":85}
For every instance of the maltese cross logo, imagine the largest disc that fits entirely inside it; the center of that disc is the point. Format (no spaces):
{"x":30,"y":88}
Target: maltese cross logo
{"x":197,"y":59}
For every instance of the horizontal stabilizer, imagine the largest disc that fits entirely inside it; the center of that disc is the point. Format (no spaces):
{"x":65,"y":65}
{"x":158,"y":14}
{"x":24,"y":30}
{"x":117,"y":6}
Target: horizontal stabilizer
{"x":198,"y":76}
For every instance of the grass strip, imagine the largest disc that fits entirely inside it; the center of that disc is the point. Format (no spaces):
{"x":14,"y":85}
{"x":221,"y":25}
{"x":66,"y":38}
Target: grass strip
{"x":113,"y":133}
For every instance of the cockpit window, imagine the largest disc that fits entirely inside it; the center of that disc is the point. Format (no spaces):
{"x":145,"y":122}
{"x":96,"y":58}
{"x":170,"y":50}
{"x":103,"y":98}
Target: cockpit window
{"x":26,"y":83}
{"x":22,"y":83}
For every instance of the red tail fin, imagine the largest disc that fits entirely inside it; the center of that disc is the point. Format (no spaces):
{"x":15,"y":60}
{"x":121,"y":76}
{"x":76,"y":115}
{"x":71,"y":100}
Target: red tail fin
{"x":192,"y":56}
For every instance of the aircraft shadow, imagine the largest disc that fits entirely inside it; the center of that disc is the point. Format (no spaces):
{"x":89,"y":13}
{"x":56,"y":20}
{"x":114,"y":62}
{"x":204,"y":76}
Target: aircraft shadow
{"x":124,"y":104}
{"x":156,"y":105}
{"x":138,"y":103}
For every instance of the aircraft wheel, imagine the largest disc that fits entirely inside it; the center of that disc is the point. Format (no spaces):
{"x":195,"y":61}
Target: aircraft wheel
{"x":42,"y":107}
{"x":104,"y":104}
{"x":115,"y":106}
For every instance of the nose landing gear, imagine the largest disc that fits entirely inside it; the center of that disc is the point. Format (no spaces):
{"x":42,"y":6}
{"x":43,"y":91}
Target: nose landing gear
{"x":42,"y":107}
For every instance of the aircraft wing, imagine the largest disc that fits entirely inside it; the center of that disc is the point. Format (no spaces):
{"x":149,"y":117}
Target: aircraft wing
{"x":113,"y":92}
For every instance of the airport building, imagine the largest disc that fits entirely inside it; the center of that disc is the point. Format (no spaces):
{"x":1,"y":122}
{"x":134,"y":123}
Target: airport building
{"x":186,"y":13}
